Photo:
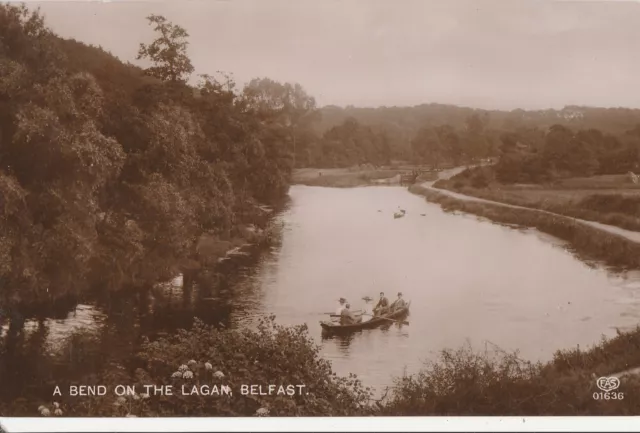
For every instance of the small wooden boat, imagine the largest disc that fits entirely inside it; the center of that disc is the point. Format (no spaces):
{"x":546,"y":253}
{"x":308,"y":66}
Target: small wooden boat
{"x":369,"y":324}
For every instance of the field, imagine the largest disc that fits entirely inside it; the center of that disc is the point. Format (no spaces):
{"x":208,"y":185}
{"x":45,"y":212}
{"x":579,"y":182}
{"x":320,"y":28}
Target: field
{"x":609,"y":199}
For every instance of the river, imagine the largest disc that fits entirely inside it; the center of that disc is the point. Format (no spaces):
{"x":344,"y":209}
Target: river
{"x":470,"y":282}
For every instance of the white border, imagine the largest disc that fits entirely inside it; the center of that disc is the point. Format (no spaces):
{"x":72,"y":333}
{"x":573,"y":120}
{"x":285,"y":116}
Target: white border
{"x":382,"y":424}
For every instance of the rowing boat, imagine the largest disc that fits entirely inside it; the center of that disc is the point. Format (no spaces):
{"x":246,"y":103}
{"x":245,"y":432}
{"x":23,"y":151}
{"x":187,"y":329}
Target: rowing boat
{"x":373,"y":323}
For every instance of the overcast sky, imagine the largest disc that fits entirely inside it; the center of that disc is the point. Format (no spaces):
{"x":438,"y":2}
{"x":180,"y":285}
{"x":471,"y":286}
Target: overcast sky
{"x":492,"y":54}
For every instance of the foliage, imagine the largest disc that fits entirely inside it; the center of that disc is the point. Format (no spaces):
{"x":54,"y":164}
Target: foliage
{"x":203,"y":355}
{"x":466,"y":382}
{"x":352,"y":143}
{"x":565,"y":153}
{"x":169,"y":52}
{"x":110,"y":176}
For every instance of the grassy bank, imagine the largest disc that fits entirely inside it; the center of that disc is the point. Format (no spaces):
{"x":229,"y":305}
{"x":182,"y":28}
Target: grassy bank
{"x":349,"y":178}
{"x":609,"y":199}
{"x":341,"y":177}
{"x":608,"y":207}
{"x":464,"y":382}
{"x":586,"y":241}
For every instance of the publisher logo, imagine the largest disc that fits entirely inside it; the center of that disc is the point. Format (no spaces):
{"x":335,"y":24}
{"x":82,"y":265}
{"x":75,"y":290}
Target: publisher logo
{"x":608,"y":384}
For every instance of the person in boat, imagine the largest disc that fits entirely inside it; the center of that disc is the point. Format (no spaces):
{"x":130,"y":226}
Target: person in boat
{"x":342,"y":301}
{"x":367,"y":312}
{"x":382,"y":306}
{"x":338,"y":312}
{"x":348,"y":318}
{"x":398,"y":304}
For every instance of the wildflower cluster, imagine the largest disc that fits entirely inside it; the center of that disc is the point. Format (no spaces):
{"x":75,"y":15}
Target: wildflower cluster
{"x":55,"y":409}
{"x":194,"y":369}
{"x":127,"y":405}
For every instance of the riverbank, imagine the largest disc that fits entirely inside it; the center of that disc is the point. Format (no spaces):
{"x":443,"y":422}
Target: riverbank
{"x":459,"y":382}
{"x":497,"y":383}
{"x":588,"y":242}
{"x":607,"y":199}
{"x":341,"y":177}
{"x":351,"y":178}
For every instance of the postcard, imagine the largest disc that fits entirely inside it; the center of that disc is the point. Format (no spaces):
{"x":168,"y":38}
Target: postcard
{"x":281,"y":209}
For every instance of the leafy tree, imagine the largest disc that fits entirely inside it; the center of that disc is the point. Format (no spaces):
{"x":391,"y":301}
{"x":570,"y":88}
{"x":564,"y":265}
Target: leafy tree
{"x":427,"y":147}
{"x":168,"y":53}
{"x":110,"y":176}
{"x":451,"y":142}
{"x":287,"y":105}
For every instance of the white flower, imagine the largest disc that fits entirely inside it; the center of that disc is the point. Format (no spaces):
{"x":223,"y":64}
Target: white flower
{"x":177,"y":374}
{"x":130,"y":415}
{"x":136,"y":397}
{"x":263,"y":411}
{"x":144,"y":395}
{"x":56,"y":405}
{"x":58,"y":412}
{"x":183,"y":368}
{"x":121,"y":400}
{"x":41,"y":408}
{"x":219,"y":374}
{"x":45,"y":412}
{"x":208,"y":366}
{"x":188,"y":375}
{"x":192,"y":362}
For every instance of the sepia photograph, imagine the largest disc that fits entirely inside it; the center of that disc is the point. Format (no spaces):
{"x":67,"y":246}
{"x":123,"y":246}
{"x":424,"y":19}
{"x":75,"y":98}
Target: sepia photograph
{"x":338,"y":208}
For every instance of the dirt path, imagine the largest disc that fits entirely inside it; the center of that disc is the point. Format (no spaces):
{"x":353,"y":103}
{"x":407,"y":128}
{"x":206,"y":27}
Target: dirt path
{"x":628,"y":234}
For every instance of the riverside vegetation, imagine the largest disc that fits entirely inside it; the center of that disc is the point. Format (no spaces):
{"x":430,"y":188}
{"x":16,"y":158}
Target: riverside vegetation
{"x":111,"y":176}
{"x":459,"y":382}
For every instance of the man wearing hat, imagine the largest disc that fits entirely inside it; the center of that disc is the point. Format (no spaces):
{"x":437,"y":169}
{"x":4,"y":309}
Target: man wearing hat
{"x":399,"y":303}
{"x":347,"y":317}
{"x":340,"y":306}
{"x":382,"y":306}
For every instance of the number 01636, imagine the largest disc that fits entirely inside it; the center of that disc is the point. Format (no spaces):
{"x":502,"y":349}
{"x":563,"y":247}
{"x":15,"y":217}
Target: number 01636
{"x":608,"y":395}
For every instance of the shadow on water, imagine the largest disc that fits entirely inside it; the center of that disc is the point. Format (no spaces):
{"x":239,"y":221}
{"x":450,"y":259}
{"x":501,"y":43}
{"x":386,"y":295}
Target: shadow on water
{"x":39,"y":351}
{"x":344,"y":339}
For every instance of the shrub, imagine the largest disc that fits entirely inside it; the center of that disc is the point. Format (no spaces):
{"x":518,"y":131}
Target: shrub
{"x":270,"y":354}
{"x":465,"y":382}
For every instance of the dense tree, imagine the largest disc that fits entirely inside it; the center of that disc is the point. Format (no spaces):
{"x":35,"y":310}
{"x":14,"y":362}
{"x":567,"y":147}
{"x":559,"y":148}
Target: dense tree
{"x":287,"y":105}
{"x":109,"y":174}
{"x":427,"y":147}
{"x":352,"y":143}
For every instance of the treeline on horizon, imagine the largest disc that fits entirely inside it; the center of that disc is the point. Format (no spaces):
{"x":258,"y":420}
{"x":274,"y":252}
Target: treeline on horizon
{"x":435,"y":133}
{"x":110,"y":173}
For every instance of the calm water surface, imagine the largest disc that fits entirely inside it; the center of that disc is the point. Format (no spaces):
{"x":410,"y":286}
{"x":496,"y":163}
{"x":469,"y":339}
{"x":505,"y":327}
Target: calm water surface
{"x":470,"y":281}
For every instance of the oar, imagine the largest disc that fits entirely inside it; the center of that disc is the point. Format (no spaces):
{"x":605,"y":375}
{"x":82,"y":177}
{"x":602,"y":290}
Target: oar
{"x":337,"y":315}
{"x":404,"y":322}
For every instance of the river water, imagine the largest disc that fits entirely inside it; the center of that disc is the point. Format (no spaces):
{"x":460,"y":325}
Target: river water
{"x":469,"y":282}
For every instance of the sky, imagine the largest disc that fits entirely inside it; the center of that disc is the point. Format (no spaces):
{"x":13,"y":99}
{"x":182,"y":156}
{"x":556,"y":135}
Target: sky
{"x":492,"y":54}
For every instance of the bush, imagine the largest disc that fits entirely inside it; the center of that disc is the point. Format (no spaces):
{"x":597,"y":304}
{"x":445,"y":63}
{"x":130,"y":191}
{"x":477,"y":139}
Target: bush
{"x":464,"y":382}
{"x":271,"y":354}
